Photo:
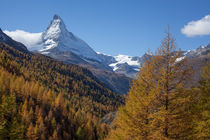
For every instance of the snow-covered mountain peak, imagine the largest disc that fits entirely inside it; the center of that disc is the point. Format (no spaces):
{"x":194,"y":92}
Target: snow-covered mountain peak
{"x":55,"y":30}
{"x":57,"y":38}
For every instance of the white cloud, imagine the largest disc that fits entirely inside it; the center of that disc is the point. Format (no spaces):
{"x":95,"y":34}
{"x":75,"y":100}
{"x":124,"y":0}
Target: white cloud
{"x":30,"y":40}
{"x":199,"y":27}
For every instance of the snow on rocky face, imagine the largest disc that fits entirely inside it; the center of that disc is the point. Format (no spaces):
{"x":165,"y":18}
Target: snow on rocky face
{"x":123,"y":59}
{"x":58,"y":38}
{"x":202,"y":50}
{"x":123,"y":64}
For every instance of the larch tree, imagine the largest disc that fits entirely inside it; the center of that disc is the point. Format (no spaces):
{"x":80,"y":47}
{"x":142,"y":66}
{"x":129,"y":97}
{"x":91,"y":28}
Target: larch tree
{"x":201,"y":107}
{"x":171,"y":118}
{"x":157,"y":104}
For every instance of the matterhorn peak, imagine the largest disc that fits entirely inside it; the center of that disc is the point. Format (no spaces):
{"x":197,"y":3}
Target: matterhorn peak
{"x":55,"y":29}
{"x":58,"y":39}
{"x":56,"y":16}
{"x":57,"y":20}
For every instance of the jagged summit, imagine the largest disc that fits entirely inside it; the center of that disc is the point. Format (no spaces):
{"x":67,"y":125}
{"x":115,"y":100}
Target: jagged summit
{"x":56,"y":16}
{"x":57,"y":38}
{"x":55,"y":29}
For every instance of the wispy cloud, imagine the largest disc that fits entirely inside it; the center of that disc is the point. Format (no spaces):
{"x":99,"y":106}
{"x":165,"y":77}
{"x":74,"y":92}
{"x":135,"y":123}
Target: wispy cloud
{"x":197,"y":28}
{"x":28,"y":39}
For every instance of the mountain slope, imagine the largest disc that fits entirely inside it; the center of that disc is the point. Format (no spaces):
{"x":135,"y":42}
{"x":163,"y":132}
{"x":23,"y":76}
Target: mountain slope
{"x":48,"y":99}
{"x":124,"y":64}
{"x":7,"y":40}
{"x":197,"y":59}
{"x":60,"y":76}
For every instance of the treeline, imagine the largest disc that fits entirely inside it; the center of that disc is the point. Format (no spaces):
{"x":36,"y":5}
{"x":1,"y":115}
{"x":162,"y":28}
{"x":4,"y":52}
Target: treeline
{"x":160,"y":105}
{"x":41,"y":98}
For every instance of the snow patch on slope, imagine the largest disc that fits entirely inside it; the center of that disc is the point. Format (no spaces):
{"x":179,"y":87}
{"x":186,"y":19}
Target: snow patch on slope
{"x":122,"y":59}
{"x":180,"y":59}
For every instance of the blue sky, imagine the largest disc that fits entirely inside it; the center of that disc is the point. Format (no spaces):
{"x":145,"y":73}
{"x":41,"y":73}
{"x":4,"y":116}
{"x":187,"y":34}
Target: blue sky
{"x":113,"y":27}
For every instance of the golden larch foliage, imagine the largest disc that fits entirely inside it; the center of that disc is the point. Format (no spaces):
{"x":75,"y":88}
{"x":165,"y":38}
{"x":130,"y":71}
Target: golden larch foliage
{"x":157,"y":104}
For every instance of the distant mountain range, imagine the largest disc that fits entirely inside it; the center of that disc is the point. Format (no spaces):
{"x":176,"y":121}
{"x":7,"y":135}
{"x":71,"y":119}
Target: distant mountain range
{"x":116,"y":71}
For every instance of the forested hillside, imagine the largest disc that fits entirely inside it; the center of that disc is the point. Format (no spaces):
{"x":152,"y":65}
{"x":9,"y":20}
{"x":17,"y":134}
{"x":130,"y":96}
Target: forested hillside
{"x":41,"y":98}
